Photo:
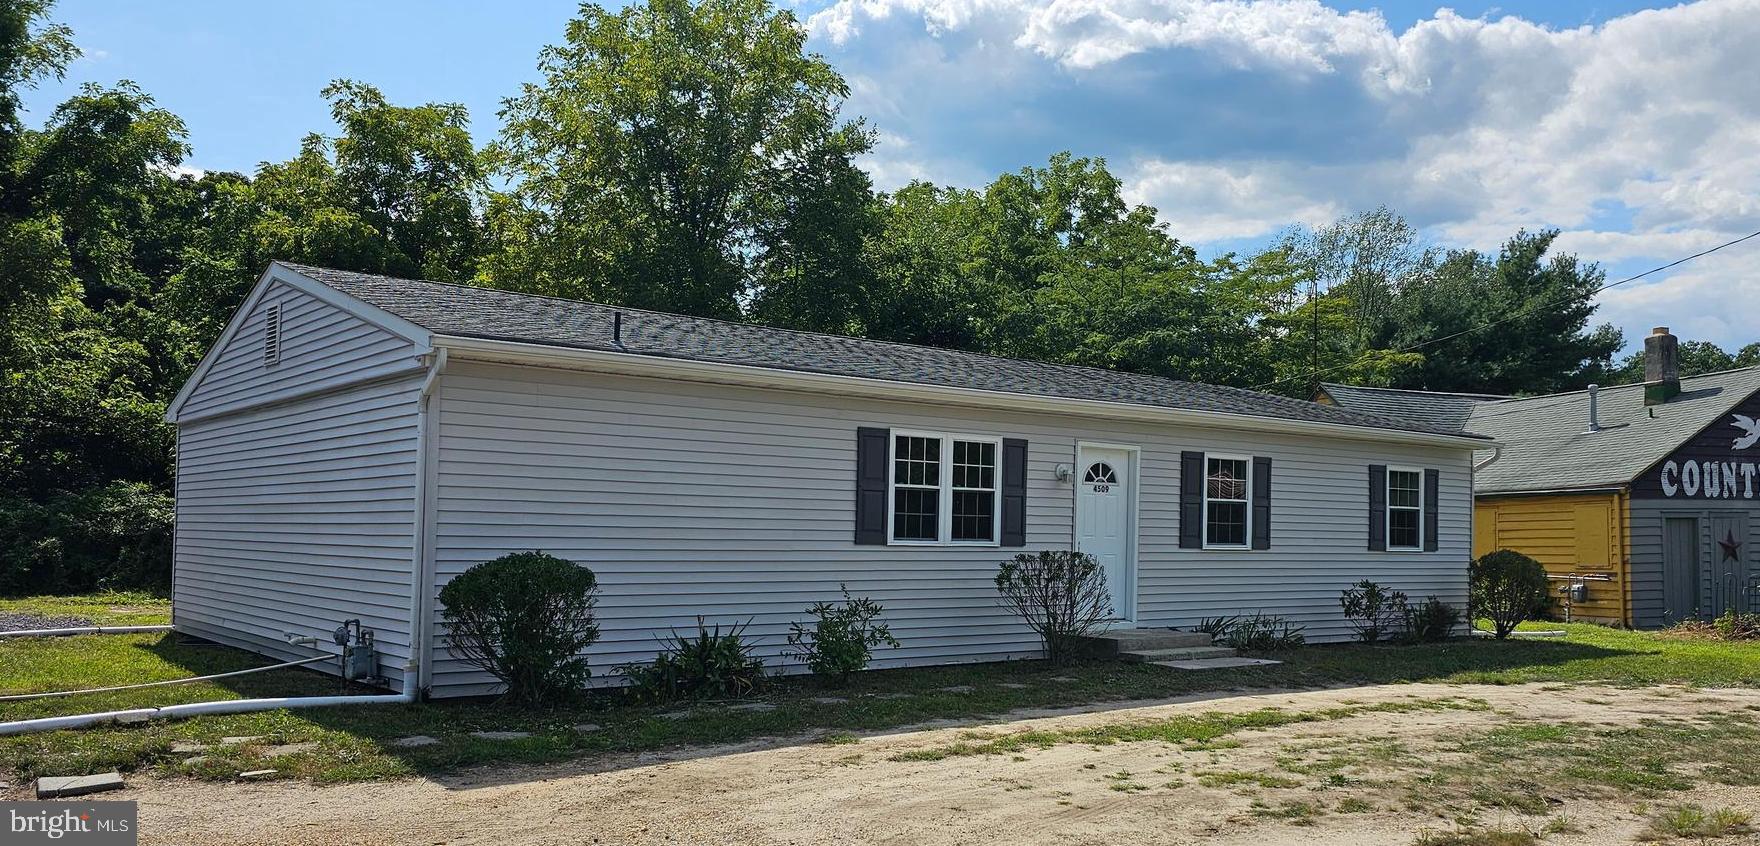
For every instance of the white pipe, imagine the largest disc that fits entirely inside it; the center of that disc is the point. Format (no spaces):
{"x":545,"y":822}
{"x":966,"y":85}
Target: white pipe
{"x":83,"y":630}
{"x":20,"y":696}
{"x":194,"y":709}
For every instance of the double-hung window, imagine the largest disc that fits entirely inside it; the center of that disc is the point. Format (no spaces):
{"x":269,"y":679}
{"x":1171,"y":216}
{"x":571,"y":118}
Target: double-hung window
{"x":944,"y":489}
{"x":1405,"y":508}
{"x":1227,"y":502}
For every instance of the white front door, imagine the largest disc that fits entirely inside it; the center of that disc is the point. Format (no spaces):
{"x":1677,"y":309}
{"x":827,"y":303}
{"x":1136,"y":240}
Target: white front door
{"x":1103,"y":504}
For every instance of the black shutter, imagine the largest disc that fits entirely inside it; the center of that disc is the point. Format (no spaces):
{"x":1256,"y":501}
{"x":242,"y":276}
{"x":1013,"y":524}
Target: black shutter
{"x":1014,"y":492}
{"x":871,"y":470}
{"x":1191,"y":500}
{"x":1378,"y":507}
{"x":1261,"y":503}
{"x":1432,"y":499}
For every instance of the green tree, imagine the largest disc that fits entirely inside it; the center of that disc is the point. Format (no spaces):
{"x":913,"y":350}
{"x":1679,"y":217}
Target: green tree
{"x":1696,"y":357}
{"x":683,"y":156}
{"x":1542,"y":304}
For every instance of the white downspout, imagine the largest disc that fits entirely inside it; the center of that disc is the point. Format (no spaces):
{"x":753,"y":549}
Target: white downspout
{"x":420,"y":585}
{"x":1496,"y":453}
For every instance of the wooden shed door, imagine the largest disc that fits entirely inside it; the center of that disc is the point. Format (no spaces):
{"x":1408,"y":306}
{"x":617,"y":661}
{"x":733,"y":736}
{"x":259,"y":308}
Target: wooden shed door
{"x":1680,"y":568}
{"x":1730,"y":588}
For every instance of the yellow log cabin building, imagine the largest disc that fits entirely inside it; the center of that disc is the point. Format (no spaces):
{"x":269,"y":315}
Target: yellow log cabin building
{"x":1639,"y":499}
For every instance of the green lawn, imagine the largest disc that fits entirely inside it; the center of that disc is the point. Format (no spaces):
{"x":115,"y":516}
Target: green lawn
{"x":113,"y":608}
{"x":354,"y":743}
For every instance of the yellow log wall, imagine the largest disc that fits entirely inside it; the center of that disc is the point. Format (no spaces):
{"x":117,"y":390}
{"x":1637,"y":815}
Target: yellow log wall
{"x":1575,"y":533}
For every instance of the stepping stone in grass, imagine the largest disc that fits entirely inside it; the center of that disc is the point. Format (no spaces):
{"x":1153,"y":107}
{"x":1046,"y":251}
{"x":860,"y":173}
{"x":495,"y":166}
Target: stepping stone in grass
{"x":584,"y":728}
{"x":956,"y":688}
{"x":288,"y":749}
{"x":415,"y":740}
{"x":674,"y":715}
{"x":501,"y":735}
{"x":896,"y":695}
{"x":830,"y":700}
{"x":752,"y":706}
{"x":196,"y":761}
{"x":1065,"y":679}
{"x":186,"y":747}
{"x":55,"y":787}
{"x":235,"y":740}
{"x":1014,"y":685}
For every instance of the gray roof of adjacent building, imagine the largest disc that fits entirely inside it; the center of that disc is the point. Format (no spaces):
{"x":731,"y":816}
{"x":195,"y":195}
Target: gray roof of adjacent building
{"x":488,"y":313}
{"x":1436,"y":408}
{"x":1548,"y":446}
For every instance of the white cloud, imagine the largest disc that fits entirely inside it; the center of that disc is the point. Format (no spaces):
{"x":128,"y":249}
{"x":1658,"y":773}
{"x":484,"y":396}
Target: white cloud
{"x":1635,"y":137}
{"x":1210,"y":203}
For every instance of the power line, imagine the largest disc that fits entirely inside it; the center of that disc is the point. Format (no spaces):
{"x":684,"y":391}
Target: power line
{"x":1316,"y":374}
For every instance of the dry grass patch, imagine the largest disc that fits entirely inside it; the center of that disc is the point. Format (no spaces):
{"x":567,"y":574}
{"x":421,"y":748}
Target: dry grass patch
{"x":1694,"y":822}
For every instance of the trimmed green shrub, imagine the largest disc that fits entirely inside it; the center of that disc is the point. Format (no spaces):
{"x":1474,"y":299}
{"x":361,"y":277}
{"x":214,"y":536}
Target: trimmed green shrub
{"x":842,"y":637}
{"x":524,"y":618}
{"x":1373,"y":611}
{"x":712,"y":663}
{"x":1061,"y":594}
{"x":1507,"y":587}
{"x":1433,"y":621}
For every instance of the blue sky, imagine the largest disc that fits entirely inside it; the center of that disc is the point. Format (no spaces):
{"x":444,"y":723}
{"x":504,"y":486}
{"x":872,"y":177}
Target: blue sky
{"x":1627,"y":125}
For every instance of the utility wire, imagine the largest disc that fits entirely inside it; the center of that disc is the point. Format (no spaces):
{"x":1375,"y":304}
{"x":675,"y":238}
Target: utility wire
{"x":1315,"y":375}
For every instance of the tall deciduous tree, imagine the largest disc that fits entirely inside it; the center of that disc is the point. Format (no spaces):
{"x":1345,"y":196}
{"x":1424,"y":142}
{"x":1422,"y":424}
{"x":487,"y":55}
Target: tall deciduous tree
{"x":683,"y":156}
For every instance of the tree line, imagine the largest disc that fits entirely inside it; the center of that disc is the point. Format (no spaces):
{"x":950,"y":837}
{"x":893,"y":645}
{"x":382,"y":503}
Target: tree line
{"x":683,"y":156}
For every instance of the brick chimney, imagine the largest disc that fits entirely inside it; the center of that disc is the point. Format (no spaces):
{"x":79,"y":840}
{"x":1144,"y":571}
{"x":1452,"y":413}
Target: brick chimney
{"x":1662,"y":366}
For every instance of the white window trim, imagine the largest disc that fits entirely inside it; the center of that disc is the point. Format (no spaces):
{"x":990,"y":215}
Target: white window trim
{"x":1204,"y":513}
{"x":944,"y":500}
{"x":1387,"y":517}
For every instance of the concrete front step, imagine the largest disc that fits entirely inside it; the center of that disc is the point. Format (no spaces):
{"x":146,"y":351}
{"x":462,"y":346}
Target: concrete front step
{"x":1119,"y":641}
{"x":1193,"y":653}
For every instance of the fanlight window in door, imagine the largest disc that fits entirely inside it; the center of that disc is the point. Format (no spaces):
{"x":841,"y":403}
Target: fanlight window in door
{"x":1100,"y":475}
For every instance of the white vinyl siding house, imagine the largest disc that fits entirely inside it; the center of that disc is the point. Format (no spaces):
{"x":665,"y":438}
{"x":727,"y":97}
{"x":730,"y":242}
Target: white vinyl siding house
{"x":734,"y":493}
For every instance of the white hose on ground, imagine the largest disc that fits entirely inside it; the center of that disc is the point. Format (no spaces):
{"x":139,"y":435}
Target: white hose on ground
{"x":81,"y":630}
{"x":18,"y":696}
{"x":230,"y":706}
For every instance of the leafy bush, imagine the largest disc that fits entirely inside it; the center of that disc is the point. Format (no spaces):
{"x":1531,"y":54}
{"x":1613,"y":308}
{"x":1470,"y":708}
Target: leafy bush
{"x":1262,"y":633}
{"x":1732,"y":625}
{"x":1433,"y":621}
{"x":1508,"y":587}
{"x":1217,"y":627}
{"x":524,"y":618}
{"x":842,"y":637}
{"x":114,"y":537}
{"x":1373,"y":611}
{"x":712,"y":663}
{"x":1061,"y":594}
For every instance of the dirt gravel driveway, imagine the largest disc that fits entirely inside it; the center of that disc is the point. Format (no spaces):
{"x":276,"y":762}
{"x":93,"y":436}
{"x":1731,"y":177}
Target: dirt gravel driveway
{"x":1245,"y":788}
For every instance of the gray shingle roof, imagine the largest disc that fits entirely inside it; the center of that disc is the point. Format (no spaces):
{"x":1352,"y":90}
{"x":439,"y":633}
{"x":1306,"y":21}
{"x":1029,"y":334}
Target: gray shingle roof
{"x":463,"y":311}
{"x":1547,"y":445}
{"x":1439,"y":409}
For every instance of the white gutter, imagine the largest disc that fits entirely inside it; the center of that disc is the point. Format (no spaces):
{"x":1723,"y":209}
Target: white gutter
{"x":1496,"y":453}
{"x":742,"y":374}
{"x":84,"y":630}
